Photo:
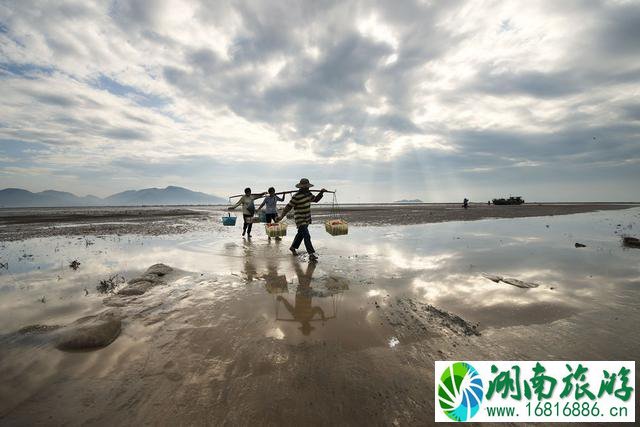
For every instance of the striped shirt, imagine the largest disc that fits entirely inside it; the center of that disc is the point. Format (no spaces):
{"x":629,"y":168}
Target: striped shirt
{"x":301,"y":205}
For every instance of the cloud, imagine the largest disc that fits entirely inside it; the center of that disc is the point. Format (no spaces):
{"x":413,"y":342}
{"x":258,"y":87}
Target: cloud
{"x":431,"y":94}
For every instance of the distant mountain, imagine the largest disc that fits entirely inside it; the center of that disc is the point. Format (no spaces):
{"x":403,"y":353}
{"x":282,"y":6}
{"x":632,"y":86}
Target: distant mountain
{"x":163,"y":196}
{"x":409,"y":201}
{"x":16,"y":197}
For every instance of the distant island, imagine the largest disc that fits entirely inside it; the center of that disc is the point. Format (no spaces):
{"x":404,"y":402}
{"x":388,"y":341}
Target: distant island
{"x":171,"y":195}
{"x":409,"y":201}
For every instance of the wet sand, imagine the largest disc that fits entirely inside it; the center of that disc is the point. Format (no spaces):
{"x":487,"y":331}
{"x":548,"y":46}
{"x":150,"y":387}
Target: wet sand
{"x":22,"y":223}
{"x":18,"y":223}
{"x":241,"y":332}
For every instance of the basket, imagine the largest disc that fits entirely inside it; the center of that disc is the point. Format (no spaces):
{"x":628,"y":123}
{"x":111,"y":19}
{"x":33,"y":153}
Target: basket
{"x":276,"y":229}
{"x":229,"y":221}
{"x":262,"y":215}
{"x":336,"y":227}
{"x":255,"y":219}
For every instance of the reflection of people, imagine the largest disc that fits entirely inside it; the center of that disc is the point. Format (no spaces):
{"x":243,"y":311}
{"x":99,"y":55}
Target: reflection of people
{"x":303,"y":311}
{"x":274,"y":283}
{"x":248,"y":209}
{"x":249,"y":262}
{"x":301,"y":204}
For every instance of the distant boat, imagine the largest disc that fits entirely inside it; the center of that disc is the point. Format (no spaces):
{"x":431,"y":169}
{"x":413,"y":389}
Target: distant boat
{"x":510,"y":201}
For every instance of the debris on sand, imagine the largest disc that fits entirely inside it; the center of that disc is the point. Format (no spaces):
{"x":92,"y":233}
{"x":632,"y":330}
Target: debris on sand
{"x":107,"y":286}
{"x":74,"y":265}
{"x":90,"y":332}
{"x":412,"y":317}
{"x":510,"y":281}
{"x":580,"y":245}
{"x":631,"y":242}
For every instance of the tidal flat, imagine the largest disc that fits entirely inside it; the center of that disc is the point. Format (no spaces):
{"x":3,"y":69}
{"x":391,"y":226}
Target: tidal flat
{"x":203,"y":327}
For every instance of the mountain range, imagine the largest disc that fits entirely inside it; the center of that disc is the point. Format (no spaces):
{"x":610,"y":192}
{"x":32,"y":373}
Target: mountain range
{"x":171,"y":195}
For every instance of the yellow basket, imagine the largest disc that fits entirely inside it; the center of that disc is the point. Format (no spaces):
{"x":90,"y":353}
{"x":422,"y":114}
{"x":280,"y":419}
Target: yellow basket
{"x":276,"y":229}
{"x":336,"y":227}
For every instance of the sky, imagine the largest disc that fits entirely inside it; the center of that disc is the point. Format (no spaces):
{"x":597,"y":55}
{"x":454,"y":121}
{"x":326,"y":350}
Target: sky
{"x":381,"y":100}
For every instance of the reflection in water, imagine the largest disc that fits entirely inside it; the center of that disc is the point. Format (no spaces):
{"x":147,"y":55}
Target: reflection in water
{"x":275,"y":283}
{"x":250,"y":270}
{"x":303,"y":310}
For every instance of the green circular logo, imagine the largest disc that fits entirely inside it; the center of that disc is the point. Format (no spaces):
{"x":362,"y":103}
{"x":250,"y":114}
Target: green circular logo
{"x":460,"y":391}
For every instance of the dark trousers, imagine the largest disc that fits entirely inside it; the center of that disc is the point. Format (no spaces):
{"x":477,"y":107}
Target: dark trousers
{"x":271,"y":218}
{"x":303,"y":234}
{"x":246,"y":227}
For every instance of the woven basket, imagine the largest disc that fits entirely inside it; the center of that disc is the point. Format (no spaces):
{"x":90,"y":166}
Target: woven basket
{"x":276,"y":229}
{"x":336,"y":227}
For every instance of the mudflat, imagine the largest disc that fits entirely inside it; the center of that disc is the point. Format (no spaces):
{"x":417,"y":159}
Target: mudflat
{"x":425,"y":213}
{"x":208,"y":328}
{"x":23,"y":223}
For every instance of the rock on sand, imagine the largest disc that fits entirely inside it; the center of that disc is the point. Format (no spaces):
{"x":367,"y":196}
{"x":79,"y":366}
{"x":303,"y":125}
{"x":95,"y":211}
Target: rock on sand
{"x":159,"y":270}
{"x":148,"y":280}
{"x":90,"y":332}
{"x":510,"y":281}
{"x":631,"y":242}
{"x":519,"y":283}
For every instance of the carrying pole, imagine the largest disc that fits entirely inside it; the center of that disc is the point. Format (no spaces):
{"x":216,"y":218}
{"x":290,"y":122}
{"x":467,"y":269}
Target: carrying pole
{"x":282,"y":192}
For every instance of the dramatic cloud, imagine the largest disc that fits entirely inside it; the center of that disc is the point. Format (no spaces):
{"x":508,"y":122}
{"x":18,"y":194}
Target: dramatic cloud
{"x":384,"y":100}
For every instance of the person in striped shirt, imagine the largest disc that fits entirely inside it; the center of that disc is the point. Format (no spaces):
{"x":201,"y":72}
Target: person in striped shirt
{"x":301,"y":205}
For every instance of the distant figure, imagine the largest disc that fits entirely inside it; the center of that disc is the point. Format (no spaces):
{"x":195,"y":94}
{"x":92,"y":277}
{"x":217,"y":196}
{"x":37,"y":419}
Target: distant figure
{"x":489,"y":202}
{"x":248,"y":209}
{"x":465,"y":203}
{"x":301,"y":204}
{"x":271,"y":202}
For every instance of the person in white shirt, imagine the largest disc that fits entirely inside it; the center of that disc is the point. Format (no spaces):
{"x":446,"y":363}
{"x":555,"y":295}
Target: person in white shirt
{"x":248,"y":209}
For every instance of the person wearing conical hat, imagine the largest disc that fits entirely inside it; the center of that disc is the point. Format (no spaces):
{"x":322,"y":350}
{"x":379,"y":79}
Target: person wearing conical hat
{"x":301,"y":205}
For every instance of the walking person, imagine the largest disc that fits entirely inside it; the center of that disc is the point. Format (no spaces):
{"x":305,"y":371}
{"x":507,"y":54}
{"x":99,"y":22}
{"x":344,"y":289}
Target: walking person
{"x":271,"y":211}
{"x":301,"y":204}
{"x":271,"y":202}
{"x":248,"y":209}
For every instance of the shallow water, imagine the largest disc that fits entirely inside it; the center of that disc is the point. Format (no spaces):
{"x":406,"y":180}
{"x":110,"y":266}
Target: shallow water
{"x":254,"y":291}
{"x":439,"y":263}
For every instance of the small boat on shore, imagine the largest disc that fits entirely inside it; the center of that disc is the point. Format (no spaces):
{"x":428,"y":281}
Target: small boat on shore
{"x":518,"y":200}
